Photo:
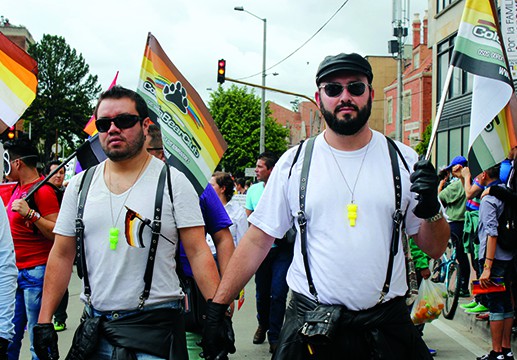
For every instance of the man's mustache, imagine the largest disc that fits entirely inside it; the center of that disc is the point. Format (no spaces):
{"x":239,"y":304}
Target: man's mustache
{"x":347,"y":105}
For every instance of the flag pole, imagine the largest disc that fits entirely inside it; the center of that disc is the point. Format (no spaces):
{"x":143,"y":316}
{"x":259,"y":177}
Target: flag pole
{"x":53,"y":172}
{"x":439,"y":112}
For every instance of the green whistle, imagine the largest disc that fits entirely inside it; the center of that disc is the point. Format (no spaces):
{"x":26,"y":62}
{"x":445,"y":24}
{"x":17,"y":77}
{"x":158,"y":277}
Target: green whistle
{"x":113,"y":238}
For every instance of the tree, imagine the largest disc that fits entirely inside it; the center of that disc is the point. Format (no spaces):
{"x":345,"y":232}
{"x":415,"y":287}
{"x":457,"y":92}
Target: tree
{"x":66,"y":91}
{"x":422,"y":146}
{"x":237,"y":115}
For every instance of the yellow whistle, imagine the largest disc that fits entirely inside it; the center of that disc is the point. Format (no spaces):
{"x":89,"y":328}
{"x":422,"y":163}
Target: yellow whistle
{"x":352,"y":213}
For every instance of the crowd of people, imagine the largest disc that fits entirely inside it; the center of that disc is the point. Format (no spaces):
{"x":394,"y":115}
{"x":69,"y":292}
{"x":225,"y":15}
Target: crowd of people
{"x":473,"y":208}
{"x":143,"y":240}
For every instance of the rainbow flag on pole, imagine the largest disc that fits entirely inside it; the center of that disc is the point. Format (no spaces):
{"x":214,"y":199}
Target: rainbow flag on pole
{"x":90,"y":127}
{"x":192,"y":143}
{"x":478,"y":50}
{"x":18,"y":81}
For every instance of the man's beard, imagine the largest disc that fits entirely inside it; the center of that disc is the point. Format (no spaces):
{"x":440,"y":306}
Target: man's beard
{"x":130,"y":151}
{"x":349,"y":125}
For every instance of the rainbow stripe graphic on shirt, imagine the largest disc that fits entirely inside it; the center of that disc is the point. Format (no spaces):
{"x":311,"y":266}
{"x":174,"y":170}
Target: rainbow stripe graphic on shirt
{"x":134,"y":228}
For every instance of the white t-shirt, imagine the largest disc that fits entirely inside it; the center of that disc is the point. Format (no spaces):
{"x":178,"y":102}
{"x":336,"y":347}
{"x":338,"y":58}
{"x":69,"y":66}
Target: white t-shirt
{"x":348,"y":264}
{"x":239,"y":224}
{"x":239,"y":219}
{"x":116,"y":276}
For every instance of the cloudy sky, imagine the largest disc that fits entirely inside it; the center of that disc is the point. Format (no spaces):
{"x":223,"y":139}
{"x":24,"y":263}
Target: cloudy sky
{"x":111,"y":35}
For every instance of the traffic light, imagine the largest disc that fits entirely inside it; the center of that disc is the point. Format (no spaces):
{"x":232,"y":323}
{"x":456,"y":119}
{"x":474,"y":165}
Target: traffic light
{"x":10,"y":133}
{"x":221,"y":71}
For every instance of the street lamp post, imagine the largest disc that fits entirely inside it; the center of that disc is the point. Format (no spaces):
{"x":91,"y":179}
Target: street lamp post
{"x":263,"y":102}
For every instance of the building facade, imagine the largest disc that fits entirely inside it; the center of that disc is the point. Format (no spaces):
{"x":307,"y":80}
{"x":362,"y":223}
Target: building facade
{"x":454,"y":123}
{"x":416,"y":89}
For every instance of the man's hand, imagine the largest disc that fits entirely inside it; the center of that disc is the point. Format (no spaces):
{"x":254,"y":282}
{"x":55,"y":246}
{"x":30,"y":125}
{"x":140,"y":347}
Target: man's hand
{"x":45,"y":342}
{"x":425,"y":183}
{"x":218,"y":336}
{"x":3,"y":348}
{"x":425,"y":273}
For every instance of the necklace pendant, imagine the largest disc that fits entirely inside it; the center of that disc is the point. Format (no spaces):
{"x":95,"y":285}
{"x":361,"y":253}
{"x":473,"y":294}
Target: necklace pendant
{"x":352,"y":213}
{"x":113,"y":238}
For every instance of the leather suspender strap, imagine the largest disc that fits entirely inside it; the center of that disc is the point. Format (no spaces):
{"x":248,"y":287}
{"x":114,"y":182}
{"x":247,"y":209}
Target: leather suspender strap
{"x":156,"y":228}
{"x":82,"y":270}
{"x":302,"y":220}
{"x":398,"y":216}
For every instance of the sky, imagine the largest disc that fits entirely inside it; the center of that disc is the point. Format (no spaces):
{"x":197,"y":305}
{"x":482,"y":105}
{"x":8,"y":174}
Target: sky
{"x":195,"y":34}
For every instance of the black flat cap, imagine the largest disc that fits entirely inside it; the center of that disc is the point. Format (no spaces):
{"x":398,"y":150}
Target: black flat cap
{"x":344,"y":62}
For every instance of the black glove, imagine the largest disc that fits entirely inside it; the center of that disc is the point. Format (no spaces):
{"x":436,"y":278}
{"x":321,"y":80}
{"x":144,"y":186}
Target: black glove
{"x":3,"y":348}
{"x":425,"y":183}
{"x":45,"y":342}
{"x":218,"y":336}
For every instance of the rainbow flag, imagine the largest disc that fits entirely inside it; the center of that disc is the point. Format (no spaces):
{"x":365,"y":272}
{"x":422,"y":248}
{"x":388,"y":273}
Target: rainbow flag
{"x":479,"y":51}
{"x":192,"y":143}
{"x":18,"y":81}
{"x":90,"y":127}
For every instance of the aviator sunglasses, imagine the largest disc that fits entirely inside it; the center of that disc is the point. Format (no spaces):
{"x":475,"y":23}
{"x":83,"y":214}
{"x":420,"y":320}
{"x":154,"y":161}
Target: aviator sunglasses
{"x":124,"y":121}
{"x":356,"y":88}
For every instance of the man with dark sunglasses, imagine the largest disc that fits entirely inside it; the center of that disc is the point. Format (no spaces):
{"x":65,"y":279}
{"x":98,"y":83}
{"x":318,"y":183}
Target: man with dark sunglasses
{"x":32,"y":221}
{"x":119,"y":247}
{"x":347,"y":300}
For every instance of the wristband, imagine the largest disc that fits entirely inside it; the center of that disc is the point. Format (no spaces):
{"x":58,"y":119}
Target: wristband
{"x":434,"y":218}
{"x":35,"y":217}
{"x":29,"y":215}
{"x":486,"y":266}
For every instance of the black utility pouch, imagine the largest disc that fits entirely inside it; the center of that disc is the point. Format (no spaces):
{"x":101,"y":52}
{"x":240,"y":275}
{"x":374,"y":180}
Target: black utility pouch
{"x":321,"y":324}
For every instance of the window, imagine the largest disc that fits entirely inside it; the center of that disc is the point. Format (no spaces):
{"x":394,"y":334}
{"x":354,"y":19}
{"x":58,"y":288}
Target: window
{"x":416,"y":61}
{"x":461,"y":81}
{"x":442,"y":4}
{"x":389,"y":111}
{"x":406,"y":105}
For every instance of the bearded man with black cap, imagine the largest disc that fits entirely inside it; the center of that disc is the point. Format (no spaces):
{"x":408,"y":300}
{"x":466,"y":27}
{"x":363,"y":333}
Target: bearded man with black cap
{"x":348,"y":277}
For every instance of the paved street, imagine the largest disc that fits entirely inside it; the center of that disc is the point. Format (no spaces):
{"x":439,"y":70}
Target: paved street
{"x":455,"y":340}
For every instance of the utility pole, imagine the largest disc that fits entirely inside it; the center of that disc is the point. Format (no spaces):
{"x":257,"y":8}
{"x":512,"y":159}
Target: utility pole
{"x":400,"y":25}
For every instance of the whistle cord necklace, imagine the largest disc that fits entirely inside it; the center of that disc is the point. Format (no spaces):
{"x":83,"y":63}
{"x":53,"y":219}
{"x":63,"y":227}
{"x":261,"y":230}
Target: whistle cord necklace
{"x":114,"y":230}
{"x":352,"y":206}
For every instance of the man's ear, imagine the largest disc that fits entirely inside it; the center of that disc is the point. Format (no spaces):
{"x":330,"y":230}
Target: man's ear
{"x":145,"y":125}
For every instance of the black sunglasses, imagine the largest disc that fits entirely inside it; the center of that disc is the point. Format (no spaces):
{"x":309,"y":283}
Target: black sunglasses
{"x":356,"y":88}
{"x":124,"y":121}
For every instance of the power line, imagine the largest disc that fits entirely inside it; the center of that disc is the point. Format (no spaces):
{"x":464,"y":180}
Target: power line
{"x":301,"y":46}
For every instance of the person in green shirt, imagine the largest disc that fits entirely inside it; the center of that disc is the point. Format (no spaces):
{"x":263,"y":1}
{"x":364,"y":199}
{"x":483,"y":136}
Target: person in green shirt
{"x":453,"y":198}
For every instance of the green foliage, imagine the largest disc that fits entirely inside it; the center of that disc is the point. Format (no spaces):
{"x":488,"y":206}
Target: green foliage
{"x":237,"y":115}
{"x":422,"y":146}
{"x":65,"y":97}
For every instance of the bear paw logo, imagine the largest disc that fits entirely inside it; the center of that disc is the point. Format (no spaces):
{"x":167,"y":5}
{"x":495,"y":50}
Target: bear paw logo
{"x":176,"y":94}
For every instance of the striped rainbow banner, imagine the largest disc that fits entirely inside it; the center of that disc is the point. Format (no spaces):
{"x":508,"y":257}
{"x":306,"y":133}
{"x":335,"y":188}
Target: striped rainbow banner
{"x":18,"y":81}
{"x":479,"y":51}
{"x":192,"y":143}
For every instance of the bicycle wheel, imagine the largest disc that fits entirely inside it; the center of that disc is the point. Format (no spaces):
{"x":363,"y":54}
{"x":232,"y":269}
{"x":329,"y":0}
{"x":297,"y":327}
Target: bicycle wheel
{"x":452,"y":284}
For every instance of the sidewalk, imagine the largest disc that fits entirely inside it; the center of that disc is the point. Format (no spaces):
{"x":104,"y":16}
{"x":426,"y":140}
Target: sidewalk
{"x":479,"y":327}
